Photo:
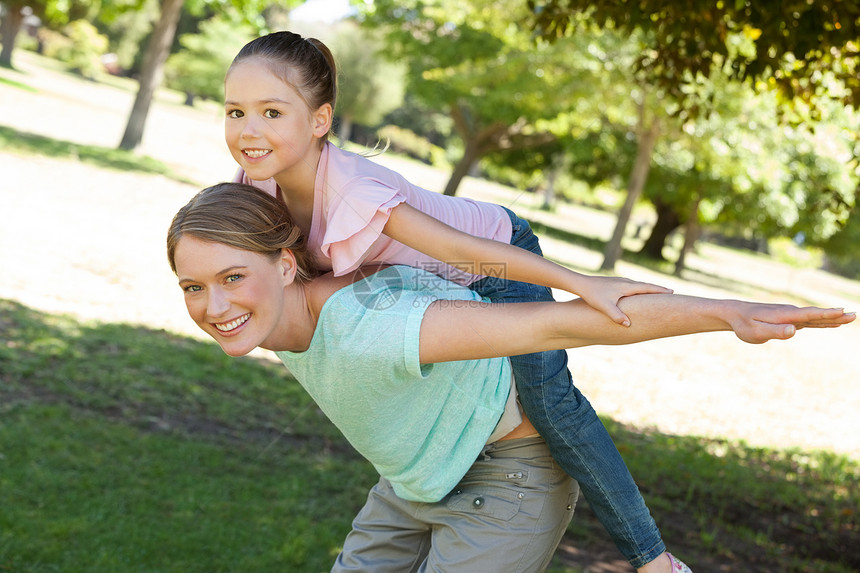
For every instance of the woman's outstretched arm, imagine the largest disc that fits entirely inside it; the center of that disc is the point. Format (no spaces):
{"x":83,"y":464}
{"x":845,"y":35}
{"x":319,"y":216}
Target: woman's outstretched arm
{"x":464,"y":330}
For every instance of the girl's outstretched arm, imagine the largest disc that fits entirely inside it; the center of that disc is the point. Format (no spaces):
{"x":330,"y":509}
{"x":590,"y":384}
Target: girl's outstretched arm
{"x":465,"y":330}
{"x":432,"y":237}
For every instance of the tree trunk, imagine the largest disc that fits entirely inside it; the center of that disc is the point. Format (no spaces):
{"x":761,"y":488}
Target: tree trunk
{"x":667,"y":221}
{"x":344,"y":128}
{"x":479,"y":141}
{"x":152,"y":72}
{"x":470,"y":156}
{"x":638,"y":176}
{"x":9,"y":28}
{"x":692,"y":231}
{"x":548,"y":190}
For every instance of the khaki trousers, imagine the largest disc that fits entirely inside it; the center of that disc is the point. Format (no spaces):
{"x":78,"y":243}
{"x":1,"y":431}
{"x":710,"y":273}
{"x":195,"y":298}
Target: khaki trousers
{"x":508,"y":514}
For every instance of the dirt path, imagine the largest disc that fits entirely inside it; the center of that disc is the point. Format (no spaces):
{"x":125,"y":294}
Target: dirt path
{"x":89,"y":241}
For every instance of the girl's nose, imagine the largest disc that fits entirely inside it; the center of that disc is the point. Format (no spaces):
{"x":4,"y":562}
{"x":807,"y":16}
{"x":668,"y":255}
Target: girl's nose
{"x":250,"y":128}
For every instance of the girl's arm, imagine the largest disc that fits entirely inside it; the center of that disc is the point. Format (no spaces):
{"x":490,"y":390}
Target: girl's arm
{"x":465,"y":330}
{"x":434,"y":238}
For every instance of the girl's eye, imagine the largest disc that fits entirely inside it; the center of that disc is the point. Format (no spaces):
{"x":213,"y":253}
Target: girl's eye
{"x":192,"y":288}
{"x":235,"y":114}
{"x":271,"y":114}
{"x":233,"y":278}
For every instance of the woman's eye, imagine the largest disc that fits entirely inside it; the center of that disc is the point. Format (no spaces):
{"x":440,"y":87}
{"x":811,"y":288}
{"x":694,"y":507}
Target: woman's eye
{"x":271,"y":114}
{"x":234,"y":114}
{"x":192,"y":288}
{"x":233,"y":278}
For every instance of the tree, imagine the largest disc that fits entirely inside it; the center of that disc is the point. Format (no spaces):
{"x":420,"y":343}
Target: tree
{"x":152,"y":71}
{"x":13,"y":12}
{"x":127,"y":30}
{"x":476,"y":62}
{"x":796,"y":44}
{"x":198,"y":68}
{"x":814,"y":37}
{"x":369,"y":86}
{"x":13,"y":16}
{"x":746,"y":172}
{"x":51,"y":13}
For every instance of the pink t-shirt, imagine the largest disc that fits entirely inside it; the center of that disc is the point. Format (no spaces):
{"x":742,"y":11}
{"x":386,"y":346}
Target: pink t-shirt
{"x":353,"y":198}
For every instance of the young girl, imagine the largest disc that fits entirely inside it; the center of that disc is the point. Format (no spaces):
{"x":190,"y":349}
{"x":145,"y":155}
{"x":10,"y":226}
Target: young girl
{"x":428,"y":389}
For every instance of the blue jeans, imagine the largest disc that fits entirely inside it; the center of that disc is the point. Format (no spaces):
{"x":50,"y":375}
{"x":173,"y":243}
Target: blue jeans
{"x":575,"y":435}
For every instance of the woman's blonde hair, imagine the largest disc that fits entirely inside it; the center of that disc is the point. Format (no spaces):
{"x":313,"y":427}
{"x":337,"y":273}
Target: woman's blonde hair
{"x":243,"y":217}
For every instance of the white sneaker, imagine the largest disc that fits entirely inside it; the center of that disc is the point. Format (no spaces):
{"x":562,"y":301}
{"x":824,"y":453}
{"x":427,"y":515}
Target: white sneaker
{"x":678,"y":566}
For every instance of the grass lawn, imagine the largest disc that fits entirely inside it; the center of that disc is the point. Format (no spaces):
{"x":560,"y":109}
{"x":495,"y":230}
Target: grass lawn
{"x":129,"y":449}
{"x":123,"y":449}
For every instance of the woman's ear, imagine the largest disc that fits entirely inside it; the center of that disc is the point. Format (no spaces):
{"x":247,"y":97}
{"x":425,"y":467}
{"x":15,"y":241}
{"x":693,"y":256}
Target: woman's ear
{"x":322,"y":119}
{"x":288,"y":265}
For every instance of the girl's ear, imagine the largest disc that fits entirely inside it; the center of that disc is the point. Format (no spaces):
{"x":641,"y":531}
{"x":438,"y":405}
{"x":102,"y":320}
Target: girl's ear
{"x":322,"y":119}
{"x":288,"y":266}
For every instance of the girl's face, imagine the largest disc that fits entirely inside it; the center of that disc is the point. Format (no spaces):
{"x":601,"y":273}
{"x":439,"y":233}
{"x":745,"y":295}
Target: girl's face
{"x":235,"y":296}
{"x":269,"y":128}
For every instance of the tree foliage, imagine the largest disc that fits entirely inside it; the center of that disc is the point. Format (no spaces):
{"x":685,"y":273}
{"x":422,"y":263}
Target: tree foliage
{"x":474,"y":60}
{"x":158,"y":49}
{"x":84,"y":48}
{"x":798,"y":43}
{"x":369,"y":85}
{"x":54,"y":15}
{"x":198,"y":68}
{"x":807,"y":52}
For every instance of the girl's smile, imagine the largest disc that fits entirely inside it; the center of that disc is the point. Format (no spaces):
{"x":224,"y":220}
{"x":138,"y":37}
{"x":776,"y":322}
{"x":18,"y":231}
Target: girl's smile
{"x":256,"y":153}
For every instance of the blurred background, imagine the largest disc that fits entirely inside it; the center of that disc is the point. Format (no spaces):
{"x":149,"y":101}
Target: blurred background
{"x":714,"y":151}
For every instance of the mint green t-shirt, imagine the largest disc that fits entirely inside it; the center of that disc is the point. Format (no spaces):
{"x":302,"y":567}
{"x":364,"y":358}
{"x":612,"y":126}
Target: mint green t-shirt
{"x":421,"y":425}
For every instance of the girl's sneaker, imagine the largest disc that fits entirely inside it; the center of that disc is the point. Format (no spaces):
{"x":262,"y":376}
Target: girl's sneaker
{"x":678,"y":566}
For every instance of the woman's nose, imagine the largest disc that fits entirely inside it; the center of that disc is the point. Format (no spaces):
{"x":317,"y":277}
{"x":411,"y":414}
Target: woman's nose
{"x":217,"y":304}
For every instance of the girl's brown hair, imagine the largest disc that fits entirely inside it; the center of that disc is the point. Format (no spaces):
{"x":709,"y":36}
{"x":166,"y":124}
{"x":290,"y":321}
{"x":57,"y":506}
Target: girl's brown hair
{"x":243,"y":217}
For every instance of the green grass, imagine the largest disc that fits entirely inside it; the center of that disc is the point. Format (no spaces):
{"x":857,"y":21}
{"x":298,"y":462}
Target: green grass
{"x":124,"y":449}
{"x":23,"y":143}
{"x":19,"y":85}
{"x":129,"y":449}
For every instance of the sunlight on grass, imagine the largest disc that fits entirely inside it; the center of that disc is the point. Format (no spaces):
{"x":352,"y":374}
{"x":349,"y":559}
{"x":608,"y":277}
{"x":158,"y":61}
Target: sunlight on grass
{"x":125,"y":448}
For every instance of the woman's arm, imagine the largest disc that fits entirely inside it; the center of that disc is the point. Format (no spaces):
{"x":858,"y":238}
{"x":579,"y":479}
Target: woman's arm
{"x":434,"y":238}
{"x":464,"y":330}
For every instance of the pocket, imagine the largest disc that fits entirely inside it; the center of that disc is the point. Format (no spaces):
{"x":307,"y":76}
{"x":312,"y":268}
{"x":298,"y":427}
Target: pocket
{"x":487,"y":501}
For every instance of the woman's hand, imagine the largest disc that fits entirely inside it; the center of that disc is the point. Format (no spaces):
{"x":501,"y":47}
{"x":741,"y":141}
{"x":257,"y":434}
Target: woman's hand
{"x":756,"y":323}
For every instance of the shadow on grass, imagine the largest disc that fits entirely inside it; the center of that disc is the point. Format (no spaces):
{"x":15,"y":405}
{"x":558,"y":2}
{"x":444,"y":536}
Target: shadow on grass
{"x":599,"y":246}
{"x":716,"y":501}
{"x":14,"y":84}
{"x":667,"y":268}
{"x":20,"y":142}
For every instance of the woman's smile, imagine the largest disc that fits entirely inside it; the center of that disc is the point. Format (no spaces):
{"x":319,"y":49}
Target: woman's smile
{"x":230,"y":327}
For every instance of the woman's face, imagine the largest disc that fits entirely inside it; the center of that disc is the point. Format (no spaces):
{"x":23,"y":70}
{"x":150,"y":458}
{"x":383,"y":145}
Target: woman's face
{"x":235,"y":296}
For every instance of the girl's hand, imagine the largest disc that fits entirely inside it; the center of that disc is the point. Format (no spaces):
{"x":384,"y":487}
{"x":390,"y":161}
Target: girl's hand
{"x":756,"y":323}
{"x":603,"y":294}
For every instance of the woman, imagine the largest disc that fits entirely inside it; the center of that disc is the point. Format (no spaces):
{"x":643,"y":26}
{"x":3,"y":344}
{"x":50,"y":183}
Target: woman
{"x":412,"y":369}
